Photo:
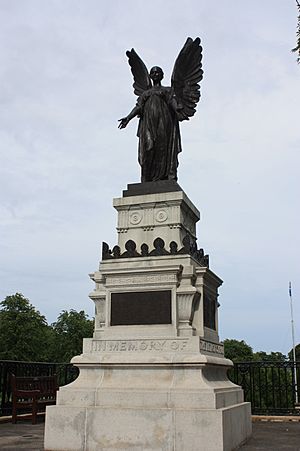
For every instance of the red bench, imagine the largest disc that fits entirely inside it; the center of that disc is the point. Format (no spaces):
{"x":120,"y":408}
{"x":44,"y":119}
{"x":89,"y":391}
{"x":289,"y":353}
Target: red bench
{"x":32,"y":394}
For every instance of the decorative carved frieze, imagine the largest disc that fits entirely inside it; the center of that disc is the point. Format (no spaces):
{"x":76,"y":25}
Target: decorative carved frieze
{"x":139,"y":279}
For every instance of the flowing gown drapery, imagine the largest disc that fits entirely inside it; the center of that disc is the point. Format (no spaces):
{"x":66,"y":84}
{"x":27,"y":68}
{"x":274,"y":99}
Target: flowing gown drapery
{"x":159,"y":135}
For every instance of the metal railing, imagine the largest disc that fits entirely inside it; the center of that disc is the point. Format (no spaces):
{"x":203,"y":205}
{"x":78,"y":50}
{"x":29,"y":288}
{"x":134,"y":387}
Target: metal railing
{"x":268,"y":385}
{"x":65,"y":373}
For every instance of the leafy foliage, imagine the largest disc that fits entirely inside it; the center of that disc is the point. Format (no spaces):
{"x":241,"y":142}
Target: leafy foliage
{"x":237,"y":351}
{"x":69,"y":330}
{"x":272,"y":357}
{"x":297,"y":48}
{"x":23,"y":330}
{"x":25,"y":334}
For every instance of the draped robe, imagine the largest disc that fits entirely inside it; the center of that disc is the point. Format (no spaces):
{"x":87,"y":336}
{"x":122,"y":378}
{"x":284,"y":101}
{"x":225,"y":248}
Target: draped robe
{"x":159,"y":134}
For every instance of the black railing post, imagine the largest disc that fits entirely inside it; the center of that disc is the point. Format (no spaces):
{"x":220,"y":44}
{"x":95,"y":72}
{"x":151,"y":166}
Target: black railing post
{"x":268,"y":385}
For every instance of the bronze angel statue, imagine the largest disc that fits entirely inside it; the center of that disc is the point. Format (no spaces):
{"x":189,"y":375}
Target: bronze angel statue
{"x":161,"y":108}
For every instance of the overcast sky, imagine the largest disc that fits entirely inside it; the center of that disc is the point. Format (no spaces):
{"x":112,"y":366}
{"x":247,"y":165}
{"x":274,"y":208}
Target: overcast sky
{"x":65,"y":81}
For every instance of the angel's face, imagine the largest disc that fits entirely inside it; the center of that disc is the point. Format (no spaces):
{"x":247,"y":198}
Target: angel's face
{"x":156,"y":74}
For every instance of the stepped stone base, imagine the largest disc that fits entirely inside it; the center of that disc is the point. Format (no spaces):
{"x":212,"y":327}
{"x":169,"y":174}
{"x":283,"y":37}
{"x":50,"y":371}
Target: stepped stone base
{"x":115,"y":429}
{"x":149,"y":401}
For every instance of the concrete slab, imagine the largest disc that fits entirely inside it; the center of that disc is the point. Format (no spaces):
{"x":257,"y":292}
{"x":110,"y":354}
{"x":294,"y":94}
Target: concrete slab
{"x":275,"y":436}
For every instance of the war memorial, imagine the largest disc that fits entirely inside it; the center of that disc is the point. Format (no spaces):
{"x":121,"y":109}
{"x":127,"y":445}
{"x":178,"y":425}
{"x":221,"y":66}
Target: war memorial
{"x":154,"y":376}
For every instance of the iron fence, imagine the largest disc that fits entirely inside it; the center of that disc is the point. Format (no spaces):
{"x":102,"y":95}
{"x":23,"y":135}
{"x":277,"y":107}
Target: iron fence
{"x":269,"y":386}
{"x":65,"y":373}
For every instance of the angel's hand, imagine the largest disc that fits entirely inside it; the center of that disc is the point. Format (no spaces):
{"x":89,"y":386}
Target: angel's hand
{"x":123,"y":122}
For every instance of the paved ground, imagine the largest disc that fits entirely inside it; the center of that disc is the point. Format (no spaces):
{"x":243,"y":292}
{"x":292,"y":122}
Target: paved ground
{"x":274,"y":436}
{"x":21,"y":436}
{"x":266,"y":436}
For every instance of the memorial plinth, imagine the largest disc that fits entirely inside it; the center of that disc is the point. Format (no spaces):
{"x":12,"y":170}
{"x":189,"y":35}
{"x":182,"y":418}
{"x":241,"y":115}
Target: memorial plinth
{"x":154,"y":376}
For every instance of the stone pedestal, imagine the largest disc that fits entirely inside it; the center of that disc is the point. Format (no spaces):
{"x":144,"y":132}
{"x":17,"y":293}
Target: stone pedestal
{"x":154,"y":376}
{"x":144,"y":217}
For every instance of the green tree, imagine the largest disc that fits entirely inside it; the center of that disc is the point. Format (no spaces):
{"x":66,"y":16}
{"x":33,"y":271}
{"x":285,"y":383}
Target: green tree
{"x":69,"y":330}
{"x":297,"y":353}
{"x":263,"y":356}
{"x":24,"y":332}
{"x":237,"y":351}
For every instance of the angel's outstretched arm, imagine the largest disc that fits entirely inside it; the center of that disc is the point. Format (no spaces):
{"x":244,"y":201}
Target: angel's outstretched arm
{"x":141,"y":83}
{"x":134,"y":112}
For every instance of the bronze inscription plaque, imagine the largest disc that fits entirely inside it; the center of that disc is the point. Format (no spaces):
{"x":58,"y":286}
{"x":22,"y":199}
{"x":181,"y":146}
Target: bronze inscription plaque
{"x":141,"y":307}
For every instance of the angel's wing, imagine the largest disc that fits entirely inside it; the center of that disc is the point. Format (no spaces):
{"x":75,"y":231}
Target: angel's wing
{"x":186,"y":75}
{"x":142,"y":81}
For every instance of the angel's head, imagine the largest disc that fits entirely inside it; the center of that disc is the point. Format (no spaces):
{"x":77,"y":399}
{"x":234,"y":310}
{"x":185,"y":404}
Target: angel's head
{"x":156,"y":74}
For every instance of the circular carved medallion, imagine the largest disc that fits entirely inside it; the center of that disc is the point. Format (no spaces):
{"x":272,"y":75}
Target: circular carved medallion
{"x":161,"y":216}
{"x":135,"y":217}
